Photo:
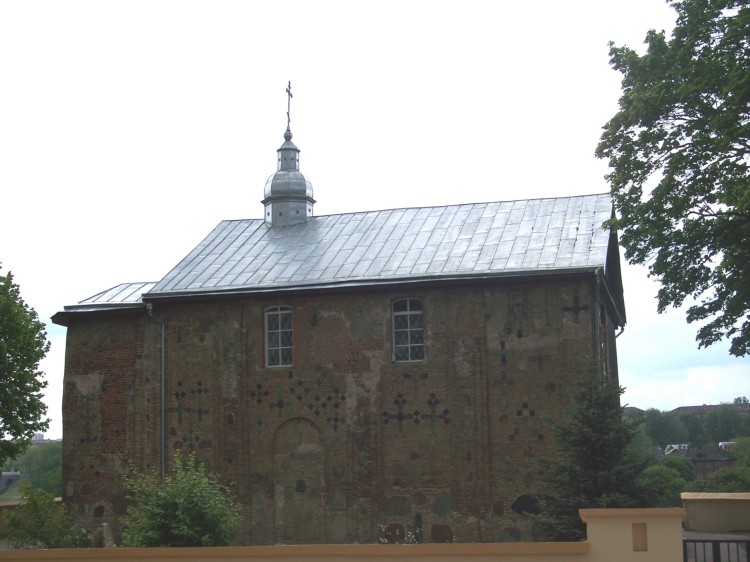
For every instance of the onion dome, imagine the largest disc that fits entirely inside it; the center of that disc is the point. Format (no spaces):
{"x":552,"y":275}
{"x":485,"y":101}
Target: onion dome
{"x":288,"y":196}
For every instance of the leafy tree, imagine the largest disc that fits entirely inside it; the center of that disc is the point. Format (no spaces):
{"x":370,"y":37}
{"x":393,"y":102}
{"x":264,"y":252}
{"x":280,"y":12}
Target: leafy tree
{"x":678,"y":153}
{"x":741,"y":452}
{"x":661,"y":486}
{"x":594,"y":466}
{"x":696,"y":434}
{"x":189,"y":508}
{"x":683,"y":466}
{"x":23,"y":343}
{"x":642,"y":445}
{"x":41,"y":467}
{"x":730,"y":480}
{"x":665,"y":428}
{"x":724,"y":423}
{"x":741,"y":400}
{"x":41,"y":523}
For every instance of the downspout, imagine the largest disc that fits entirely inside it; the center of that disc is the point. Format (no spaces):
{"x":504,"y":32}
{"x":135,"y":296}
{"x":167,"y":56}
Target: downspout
{"x":611,"y":301}
{"x":150,"y":310}
{"x":596,"y":317}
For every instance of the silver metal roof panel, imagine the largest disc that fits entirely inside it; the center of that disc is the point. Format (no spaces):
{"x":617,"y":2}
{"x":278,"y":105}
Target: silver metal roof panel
{"x":124,"y":293}
{"x":483,"y":239}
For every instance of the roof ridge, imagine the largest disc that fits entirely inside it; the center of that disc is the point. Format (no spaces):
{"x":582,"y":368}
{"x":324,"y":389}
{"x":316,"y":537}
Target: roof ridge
{"x":391,"y":209}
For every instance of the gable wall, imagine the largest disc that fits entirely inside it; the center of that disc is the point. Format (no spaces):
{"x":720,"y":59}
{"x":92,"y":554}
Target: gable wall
{"x":110,"y":412}
{"x":345,"y":441}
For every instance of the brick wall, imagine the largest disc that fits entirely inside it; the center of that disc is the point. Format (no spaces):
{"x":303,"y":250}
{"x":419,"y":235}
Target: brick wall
{"x":345,"y":444}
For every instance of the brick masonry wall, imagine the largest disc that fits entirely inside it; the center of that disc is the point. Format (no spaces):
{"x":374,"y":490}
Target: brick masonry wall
{"x":346,"y":444}
{"x":109,"y":408}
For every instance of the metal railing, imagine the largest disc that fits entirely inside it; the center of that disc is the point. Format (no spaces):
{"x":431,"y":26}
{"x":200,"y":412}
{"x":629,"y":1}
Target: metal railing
{"x":715,"y":550}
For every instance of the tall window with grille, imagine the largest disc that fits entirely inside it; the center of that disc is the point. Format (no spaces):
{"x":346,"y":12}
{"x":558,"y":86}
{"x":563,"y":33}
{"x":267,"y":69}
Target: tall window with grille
{"x":408,"y":330}
{"x":279,"y":337}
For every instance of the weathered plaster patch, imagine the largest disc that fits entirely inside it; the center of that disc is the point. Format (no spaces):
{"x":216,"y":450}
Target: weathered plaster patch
{"x":307,"y":448}
{"x":88,"y":383}
{"x":364,"y":385}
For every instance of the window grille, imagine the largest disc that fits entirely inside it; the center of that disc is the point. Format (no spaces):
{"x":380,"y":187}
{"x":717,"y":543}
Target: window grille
{"x":279,"y":337}
{"x":408,"y":330}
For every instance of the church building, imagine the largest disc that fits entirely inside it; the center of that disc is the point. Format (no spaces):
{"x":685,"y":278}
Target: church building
{"x":352,"y":376}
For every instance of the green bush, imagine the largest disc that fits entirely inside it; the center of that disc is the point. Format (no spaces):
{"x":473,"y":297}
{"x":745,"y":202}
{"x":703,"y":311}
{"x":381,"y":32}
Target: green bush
{"x":41,"y":523}
{"x":732,"y":479}
{"x":662,"y":486}
{"x":189,"y":508}
{"x":682,"y":465}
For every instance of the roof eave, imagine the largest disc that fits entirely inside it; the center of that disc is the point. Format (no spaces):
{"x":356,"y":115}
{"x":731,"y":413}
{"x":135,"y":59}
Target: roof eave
{"x":261,"y":289}
{"x":62,"y":318}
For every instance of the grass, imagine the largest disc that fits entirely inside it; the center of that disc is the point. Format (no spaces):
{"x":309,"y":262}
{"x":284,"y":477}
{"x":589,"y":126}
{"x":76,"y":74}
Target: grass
{"x":13,"y":492}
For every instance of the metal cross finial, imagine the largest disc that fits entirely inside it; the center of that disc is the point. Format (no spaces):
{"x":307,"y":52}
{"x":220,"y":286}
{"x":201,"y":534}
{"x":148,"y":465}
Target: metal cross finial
{"x":288,"y":104}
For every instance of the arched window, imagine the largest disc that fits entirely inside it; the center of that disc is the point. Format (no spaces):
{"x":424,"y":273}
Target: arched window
{"x":408,"y":330}
{"x":279,"y":336}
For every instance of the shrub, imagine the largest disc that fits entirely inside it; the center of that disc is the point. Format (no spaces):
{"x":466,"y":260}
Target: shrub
{"x":189,"y":508}
{"x":732,"y":479}
{"x":39,"y":522}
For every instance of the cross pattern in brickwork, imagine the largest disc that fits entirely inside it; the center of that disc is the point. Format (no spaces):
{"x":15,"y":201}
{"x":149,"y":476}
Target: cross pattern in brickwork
{"x":259,"y":422}
{"x":525,"y":411}
{"x":416,"y":378}
{"x":335,"y":420}
{"x":336,"y":400}
{"x":299,"y":390}
{"x":183,"y":395}
{"x":503,"y":353}
{"x":259,"y":394}
{"x":279,"y":403}
{"x":331,"y":404}
{"x":433,"y":402}
{"x":539,"y":359}
{"x":576,"y":309}
{"x":400,"y":415}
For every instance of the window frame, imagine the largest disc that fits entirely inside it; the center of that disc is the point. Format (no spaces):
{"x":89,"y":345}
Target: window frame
{"x":279,"y":313}
{"x":415,"y":350}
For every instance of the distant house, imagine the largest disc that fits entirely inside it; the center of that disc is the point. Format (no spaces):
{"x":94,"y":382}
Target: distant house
{"x":676,"y":447}
{"x":705,"y":409}
{"x":706,"y":459}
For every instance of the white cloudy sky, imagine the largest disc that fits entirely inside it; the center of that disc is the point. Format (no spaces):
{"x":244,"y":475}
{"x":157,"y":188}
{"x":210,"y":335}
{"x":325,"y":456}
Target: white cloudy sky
{"x":129,"y":129}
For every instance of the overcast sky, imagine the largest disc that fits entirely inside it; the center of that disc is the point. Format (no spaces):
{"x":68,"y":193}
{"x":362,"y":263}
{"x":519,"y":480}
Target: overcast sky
{"x":128,"y":130}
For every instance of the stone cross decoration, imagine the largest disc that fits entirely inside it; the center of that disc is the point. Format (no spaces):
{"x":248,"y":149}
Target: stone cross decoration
{"x":288,"y":103}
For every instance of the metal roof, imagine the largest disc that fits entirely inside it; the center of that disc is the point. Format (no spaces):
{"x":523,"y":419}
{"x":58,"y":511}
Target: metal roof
{"x":482,"y":239}
{"x":123,"y":295}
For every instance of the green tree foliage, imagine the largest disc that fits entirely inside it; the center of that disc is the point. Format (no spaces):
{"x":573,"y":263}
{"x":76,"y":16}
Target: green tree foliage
{"x":642,"y":444}
{"x":190,"y":508}
{"x":682,"y":465}
{"x":696,"y":434}
{"x":665,"y":428}
{"x":678,"y":153}
{"x":41,"y":467}
{"x":729,"y":480}
{"x":661,"y":486}
{"x":594,"y":467}
{"x":23,"y":343}
{"x":41,"y":523}
{"x":724,"y":423}
{"x":741,"y":452}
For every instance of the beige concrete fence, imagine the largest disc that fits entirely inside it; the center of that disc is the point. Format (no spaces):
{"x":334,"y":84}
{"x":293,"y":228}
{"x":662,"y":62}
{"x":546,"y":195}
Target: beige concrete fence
{"x":717,"y":513}
{"x":614,"y":535}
